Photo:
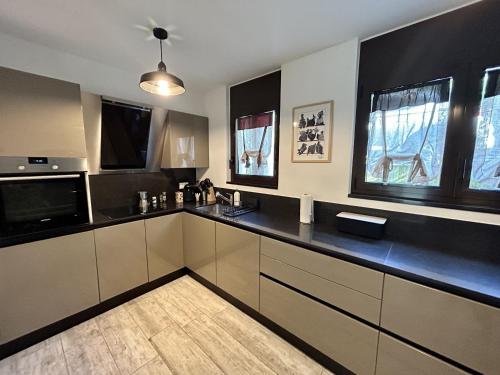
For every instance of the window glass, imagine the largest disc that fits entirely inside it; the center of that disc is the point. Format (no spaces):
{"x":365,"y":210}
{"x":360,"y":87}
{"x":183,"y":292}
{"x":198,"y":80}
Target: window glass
{"x":255,"y":138}
{"x":406,"y":134}
{"x":485,"y":174}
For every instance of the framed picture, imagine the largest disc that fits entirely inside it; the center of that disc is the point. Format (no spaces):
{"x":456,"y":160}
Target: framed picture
{"x":312,"y":133}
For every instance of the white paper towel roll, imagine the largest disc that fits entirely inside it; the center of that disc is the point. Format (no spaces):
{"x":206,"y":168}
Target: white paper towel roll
{"x":306,"y":209}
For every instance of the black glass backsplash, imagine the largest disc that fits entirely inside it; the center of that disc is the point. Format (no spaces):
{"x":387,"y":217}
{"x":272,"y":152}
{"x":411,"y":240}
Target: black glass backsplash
{"x":462,"y":238}
{"x":118,"y":190}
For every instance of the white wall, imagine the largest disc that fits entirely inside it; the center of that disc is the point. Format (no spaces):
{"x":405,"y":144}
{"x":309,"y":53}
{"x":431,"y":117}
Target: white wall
{"x":329,"y":74}
{"x":91,"y":75}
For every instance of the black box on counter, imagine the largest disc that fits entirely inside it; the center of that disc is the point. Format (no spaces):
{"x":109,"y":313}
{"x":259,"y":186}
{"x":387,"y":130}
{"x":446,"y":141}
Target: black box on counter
{"x":361,"y":225}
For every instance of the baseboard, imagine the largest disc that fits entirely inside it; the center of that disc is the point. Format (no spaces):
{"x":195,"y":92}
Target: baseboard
{"x":304,"y":347}
{"x":50,"y":330}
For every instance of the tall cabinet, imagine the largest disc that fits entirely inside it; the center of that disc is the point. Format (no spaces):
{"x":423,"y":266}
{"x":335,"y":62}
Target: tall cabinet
{"x":186,"y":141}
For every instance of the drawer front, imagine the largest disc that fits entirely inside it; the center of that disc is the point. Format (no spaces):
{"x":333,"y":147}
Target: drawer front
{"x":44,"y":281}
{"x":350,"y":275}
{"x":121,"y":258}
{"x":463,"y":330}
{"x":237,"y":253}
{"x":360,"y":304}
{"x":164,"y":245}
{"x":199,"y":246}
{"x":345,"y":340}
{"x":396,"y":358}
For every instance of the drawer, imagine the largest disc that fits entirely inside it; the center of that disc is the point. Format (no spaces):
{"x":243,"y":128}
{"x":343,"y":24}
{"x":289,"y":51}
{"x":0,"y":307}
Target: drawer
{"x":357,"y":303}
{"x":395,"y":358}
{"x":344,"y":273}
{"x":345,"y":340}
{"x":463,"y":330}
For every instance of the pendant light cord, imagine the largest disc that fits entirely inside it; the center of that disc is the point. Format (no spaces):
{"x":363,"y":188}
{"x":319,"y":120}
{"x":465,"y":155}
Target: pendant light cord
{"x":161,"y":51}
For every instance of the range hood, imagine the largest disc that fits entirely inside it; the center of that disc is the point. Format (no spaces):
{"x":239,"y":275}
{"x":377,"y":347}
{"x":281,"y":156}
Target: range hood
{"x":40,"y":116}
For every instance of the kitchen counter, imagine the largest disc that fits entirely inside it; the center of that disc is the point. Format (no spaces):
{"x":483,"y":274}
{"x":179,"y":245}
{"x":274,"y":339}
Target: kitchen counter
{"x":471,"y":278}
{"x":467,"y":277}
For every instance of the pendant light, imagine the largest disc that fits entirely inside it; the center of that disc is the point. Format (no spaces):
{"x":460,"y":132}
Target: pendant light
{"x":160,"y":82}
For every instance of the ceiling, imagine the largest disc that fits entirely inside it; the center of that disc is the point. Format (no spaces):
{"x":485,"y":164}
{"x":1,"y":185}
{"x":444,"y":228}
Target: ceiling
{"x":223,"y":41}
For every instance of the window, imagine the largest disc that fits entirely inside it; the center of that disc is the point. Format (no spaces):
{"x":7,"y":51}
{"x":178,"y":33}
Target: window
{"x":255,"y":144}
{"x":485,"y":174}
{"x":254,"y":121}
{"x":406,"y":135}
{"x":428,"y":113}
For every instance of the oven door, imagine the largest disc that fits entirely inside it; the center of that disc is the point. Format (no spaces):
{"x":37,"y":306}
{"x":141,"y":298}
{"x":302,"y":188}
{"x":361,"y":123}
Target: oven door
{"x":36,"y":203}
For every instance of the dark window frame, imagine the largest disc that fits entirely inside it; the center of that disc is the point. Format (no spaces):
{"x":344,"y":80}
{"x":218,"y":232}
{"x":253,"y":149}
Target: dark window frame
{"x":451,"y":45}
{"x":253,"y":97}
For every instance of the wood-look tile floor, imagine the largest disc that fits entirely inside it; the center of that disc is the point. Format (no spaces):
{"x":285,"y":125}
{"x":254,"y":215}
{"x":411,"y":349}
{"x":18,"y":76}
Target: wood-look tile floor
{"x":179,"y":328}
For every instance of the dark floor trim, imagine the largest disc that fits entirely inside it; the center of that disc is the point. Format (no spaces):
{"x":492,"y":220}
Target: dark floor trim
{"x":44,"y":333}
{"x":374,"y":326}
{"x":312,"y":352}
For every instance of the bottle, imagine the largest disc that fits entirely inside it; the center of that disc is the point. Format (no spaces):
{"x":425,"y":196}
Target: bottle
{"x":236,"y":199}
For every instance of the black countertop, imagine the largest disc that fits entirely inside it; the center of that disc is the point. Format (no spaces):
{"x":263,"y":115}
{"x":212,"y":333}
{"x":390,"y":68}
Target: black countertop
{"x":468,"y":277}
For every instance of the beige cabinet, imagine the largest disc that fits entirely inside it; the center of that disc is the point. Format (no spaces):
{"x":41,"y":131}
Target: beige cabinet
{"x":164,"y":245}
{"x":396,"y":358}
{"x":463,"y":330}
{"x":121,"y":258}
{"x":359,"y":278}
{"x":237,"y":254}
{"x":45,"y":281}
{"x":360,"y":304}
{"x":199,"y":246}
{"x":346,"y":340}
{"x":186,"y":141}
{"x":40,"y":116}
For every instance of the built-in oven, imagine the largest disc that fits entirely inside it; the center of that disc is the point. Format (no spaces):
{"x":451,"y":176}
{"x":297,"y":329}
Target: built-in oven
{"x":40,"y":193}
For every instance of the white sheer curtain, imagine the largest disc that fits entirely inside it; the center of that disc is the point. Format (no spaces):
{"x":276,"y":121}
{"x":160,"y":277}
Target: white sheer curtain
{"x":255,"y":145}
{"x":406,"y":134}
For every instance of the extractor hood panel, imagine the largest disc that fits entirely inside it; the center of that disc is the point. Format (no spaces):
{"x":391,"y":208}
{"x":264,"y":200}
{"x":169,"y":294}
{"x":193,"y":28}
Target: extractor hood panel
{"x":39,"y":116}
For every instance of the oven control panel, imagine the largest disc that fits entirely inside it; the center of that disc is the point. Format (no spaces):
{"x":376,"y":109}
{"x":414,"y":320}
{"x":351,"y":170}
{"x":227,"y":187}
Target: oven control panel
{"x":41,"y":164}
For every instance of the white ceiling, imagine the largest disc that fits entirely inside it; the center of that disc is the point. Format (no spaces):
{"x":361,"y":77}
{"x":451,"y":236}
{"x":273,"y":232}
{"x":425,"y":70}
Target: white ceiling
{"x":224,"y":41}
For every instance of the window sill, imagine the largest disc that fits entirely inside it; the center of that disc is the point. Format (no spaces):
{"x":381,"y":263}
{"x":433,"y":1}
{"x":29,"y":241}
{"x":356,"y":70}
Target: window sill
{"x":253,"y":184}
{"x":448,"y":205}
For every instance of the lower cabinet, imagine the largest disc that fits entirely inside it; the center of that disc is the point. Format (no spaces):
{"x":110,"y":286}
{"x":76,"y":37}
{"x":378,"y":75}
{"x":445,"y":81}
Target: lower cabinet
{"x":462,"y":330}
{"x":347,"y":341}
{"x":45,"y":281}
{"x":164,"y":245}
{"x":121,"y":258}
{"x":199,"y":246}
{"x":237,"y":254}
{"x":396,"y":358}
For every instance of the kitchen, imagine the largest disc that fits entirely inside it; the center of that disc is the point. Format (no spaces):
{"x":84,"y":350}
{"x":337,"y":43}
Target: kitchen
{"x":274,"y":199}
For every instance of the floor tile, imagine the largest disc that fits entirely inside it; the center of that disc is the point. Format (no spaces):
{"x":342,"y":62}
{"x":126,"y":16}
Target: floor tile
{"x":223,"y":349}
{"x":201,"y":297}
{"x":154,"y":367}
{"x":276,"y":353}
{"x":128,"y":345}
{"x":86,"y":350}
{"x":48,"y":358}
{"x":177,"y":307}
{"x":149,"y":315}
{"x":182,"y":354}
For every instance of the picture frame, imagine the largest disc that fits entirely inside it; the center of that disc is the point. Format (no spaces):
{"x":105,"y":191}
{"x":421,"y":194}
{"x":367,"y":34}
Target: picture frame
{"x":312,"y":130}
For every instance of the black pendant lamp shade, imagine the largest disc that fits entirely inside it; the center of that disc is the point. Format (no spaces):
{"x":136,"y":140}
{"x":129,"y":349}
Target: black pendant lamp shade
{"x":160,"y":82}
